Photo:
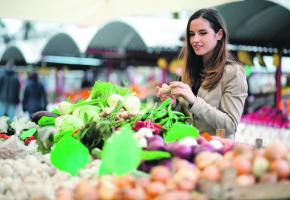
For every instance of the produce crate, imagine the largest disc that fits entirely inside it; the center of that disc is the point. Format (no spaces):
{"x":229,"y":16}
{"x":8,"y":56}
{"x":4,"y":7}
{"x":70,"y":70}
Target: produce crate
{"x":226,"y":189}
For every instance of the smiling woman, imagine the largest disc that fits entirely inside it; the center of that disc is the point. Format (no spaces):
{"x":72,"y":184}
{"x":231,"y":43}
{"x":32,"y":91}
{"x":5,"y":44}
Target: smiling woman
{"x":213,"y":86}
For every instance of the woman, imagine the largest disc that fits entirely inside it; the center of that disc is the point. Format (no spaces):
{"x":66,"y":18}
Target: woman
{"x":213,"y":86}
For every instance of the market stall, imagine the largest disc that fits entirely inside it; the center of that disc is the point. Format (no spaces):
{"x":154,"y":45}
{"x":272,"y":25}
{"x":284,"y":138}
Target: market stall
{"x":110,"y":146}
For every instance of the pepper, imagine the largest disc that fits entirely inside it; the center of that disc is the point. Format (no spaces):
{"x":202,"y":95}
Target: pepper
{"x":206,"y":136}
{"x":4,"y":136}
{"x":156,"y":129}
{"x":28,"y":140}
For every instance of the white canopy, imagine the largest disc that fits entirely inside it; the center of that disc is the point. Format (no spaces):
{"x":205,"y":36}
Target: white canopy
{"x":95,"y":12}
{"x":128,"y":33}
{"x":23,"y":51}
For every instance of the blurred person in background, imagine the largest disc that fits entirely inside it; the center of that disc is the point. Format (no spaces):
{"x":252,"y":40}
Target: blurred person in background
{"x":213,"y":86}
{"x":34,"y":96}
{"x":9,"y":91}
{"x":88,"y":79}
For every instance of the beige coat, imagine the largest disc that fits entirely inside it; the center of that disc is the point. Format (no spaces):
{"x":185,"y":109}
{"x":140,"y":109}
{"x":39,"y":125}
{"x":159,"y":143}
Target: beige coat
{"x":221,"y":107}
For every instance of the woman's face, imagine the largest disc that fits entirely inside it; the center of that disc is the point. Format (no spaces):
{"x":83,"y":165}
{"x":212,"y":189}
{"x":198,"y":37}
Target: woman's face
{"x":202,"y":37}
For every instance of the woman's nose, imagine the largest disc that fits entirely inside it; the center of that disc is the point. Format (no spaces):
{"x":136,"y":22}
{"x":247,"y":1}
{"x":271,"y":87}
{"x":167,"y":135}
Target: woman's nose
{"x":195,"y":38}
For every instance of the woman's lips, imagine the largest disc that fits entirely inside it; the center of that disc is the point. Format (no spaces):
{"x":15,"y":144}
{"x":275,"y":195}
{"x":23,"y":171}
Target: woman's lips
{"x":197,"y":48}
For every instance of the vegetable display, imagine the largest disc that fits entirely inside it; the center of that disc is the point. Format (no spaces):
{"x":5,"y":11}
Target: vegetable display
{"x":142,"y":152}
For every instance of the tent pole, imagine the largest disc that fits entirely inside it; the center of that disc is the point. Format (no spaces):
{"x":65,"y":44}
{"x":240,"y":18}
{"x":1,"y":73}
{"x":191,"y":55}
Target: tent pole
{"x":278,"y":99}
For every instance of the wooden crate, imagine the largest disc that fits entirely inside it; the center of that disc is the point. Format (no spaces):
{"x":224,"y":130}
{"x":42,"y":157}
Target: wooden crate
{"x":228,"y":190}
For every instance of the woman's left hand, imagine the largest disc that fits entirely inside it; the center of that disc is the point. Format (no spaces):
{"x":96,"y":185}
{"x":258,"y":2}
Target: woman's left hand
{"x":180,"y":89}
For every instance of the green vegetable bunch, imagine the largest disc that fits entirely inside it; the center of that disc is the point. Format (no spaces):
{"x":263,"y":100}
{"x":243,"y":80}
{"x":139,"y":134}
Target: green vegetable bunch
{"x":102,"y":90}
{"x":164,"y":115}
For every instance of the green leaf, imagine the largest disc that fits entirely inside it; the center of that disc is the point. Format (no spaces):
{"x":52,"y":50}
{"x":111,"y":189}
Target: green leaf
{"x":179,"y":131}
{"x":46,"y":121}
{"x":69,"y":155}
{"x":27,"y":133}
{"x":56,"y":111}
{"x":121,"y":153}
{"x":154,"y":155}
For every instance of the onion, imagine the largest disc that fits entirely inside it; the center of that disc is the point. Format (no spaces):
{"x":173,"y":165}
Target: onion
{"x":155,"y":143}
{"x":142,"y":142}
{"x":260,"y":166}
{"x":160,"y":173}
{"x":241,"y":148}
{"x":113,"y":100}
{"x":281,"y":167}
{"x":188,"y":141}
{"x":241,"y":164}
{"x":179,"y":150}
{"x":155,"y":189}
{"x":276,"y":151}
{"x":204,"y":147}
{"x":153,"y":138}
{"x":143,"y":132}
{"x":85,"y":191}
{"x":205,"y":159}
{"x":181,"y":164}
{"x":226,"y":148}
{"x":216,"y":144}
{"x":223,"y":163}
{"x":201,"y":140}
{"x":146,"y":166}
{"x":166,"y":163}
{"x":182,"y":151}
{"x":171,"y":147}
{"x":132,"y":104}
{"x":211,"y":173}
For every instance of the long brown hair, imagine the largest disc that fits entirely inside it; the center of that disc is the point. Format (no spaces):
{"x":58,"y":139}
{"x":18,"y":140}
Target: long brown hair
{"x":195,"y":72}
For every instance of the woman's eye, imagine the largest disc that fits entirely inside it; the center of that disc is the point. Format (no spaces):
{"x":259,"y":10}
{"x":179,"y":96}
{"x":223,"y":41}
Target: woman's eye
{"x":203,"y":33}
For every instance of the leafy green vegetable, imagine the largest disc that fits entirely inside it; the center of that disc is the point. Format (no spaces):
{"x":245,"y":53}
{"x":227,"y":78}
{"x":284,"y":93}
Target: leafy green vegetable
{"x":46,"y":121}
{"x":179,"y":131}
{"x":102,"y":90}
{"x":46,"y":145}
{"x":56,"y":111}
{"x":27,"y":133}
{"x":87,"y":113}
{"x":69,"y":122}
{"x":92,"y":137}
{"x":65,"y":107}
{"x":119,"y":148}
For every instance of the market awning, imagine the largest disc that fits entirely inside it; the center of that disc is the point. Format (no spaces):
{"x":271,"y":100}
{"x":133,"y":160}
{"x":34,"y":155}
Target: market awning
{"x":261,"y":23}
{"x":61,"y":45}
{"x":140,"y":34}
{"x":24,"y":52}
